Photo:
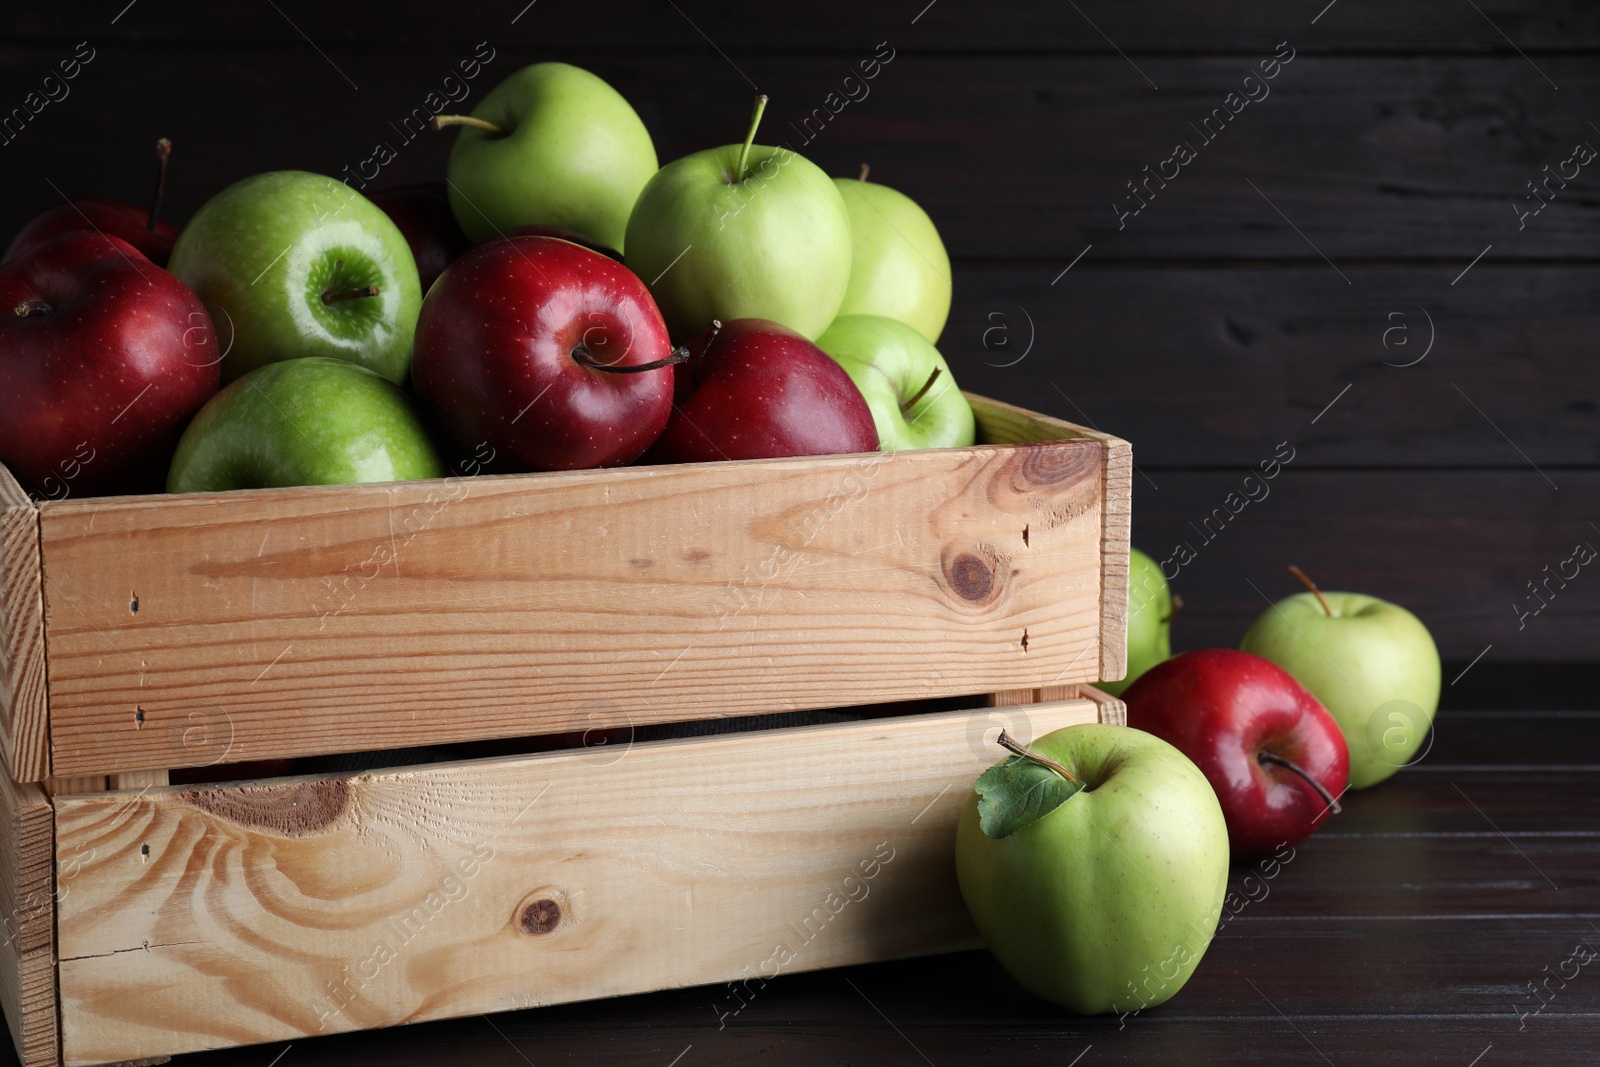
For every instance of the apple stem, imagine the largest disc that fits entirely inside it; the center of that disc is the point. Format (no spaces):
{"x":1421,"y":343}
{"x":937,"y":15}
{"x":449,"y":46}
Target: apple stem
{"x":1177,"y":606}
{"x":349,"y":294}
{"x":163,"y":151}
{"x":1006,"y":742}
{"x":1278,"y":761}
{"x":586,"y":358}
{"x":32,"y":307}
{"x":439,"y":122}
{"x":749,"y":138}
{"x":1300,"y":574}
{"x":920,"y":393}
{"x":865,"y":170}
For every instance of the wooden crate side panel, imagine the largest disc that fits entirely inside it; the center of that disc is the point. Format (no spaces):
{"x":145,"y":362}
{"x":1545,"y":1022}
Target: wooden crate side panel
{"x":370,"y":617}
{"x":315,"y":905}
{"x":27,"y":922}
{"x":999,"y":421}
{"x":24,"y":720}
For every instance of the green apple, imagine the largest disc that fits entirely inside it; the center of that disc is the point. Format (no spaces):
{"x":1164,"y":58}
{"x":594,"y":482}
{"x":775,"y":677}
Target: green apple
{"x":1106,"y":901}
{"x":742,"y":231}
{"x":292,"y":264}
{"x":1150,"y":611}
{"x":914,"y":399}
{"x":1371,"y":663}
{"x":898,"y":265}
{"x":312,"y":421}
{"x":552,"y":145}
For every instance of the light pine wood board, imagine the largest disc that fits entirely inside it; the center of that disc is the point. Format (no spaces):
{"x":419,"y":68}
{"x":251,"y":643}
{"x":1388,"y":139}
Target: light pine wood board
{"x":999,"y":421}
{"x":282,"y":623}
{"x":314,"y":905}
{"x":24,"y":718}
{"x":27,"y":921}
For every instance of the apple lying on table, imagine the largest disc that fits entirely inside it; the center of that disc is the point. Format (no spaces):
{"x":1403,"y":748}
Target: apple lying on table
{"x":1371,"y":663}
{"x":1094,"y":863}
{"x":1273,"y":755}
{"x":898,"y":265}
{"x":422,"y":214}
{"x":742,"y":231}
{"x":143,"y":228}
{"x":1151,"y":608}
{"x":103,"y":359}
{"x":914,"y":399}
{"x":552,"y":145}
{"x":312,"y":421}
{"x":535,"y":353}
{"x":752,"y":389}
{"x":294,"y":264}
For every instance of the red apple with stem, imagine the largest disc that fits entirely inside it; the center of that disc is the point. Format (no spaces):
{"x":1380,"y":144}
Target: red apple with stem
{"x":534,"y":353}
{"x":143,"y":228}
{"x":103,"y":359}
{"x":422,"y":214}
{"x":1275,"y":757}
{"x":752,"y":389}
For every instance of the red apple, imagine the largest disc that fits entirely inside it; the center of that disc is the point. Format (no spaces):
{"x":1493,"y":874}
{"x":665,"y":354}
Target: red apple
{"x":143,"y":228}
{"x":534,"y":353}
{"x":423,"y":215}
{"x":1275,"y":757}
{"x":753,"y":389}
{"x":103,"y":359}
{"x":566,"y":235}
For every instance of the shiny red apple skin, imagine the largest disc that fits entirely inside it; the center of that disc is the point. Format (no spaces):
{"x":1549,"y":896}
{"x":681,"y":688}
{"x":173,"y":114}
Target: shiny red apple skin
{"x":1221,"y":707}
{"x":422,"y":214}
{"x":566,"y":235}
{"x":494,"y":361}
{"x":101,"y":375}
{"x":92,"y":213}
{"x":753,"y":389}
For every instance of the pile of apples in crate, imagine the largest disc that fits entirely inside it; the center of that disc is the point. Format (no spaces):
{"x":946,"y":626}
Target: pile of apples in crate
{"x":560,"y":302}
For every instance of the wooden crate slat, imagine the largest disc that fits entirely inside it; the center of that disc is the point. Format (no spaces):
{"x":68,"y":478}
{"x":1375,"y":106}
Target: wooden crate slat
{"x":282,"y":623}
{"x":27,"y":921}
{"x":24,"y":718}
{"x":315,"y":905}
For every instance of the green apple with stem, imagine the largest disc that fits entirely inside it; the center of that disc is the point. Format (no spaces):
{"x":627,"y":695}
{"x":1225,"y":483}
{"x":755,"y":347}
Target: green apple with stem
{"x":551,"y":145}
{"x":312,"y":421}
{"x":1371,"y":663}
{"x":293,"y":264}
{"x":1094,"y":863}
{"x":914,"y":400}
{"x":898,"y":265}
{"x":1151,"y":609}
{"x":742,"y":231}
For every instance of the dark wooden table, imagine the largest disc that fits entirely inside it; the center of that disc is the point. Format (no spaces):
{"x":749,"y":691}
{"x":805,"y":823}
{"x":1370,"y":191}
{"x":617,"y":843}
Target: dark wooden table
{"x":1413,"y":930}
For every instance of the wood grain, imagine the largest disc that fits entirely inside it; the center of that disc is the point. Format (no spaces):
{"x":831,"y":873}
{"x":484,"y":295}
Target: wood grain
{"x":24,"y":714}
{"x":1456,"y":547}
{"x":317,"y":905}
{"x":27,"y":921}
{"x":1214,"y":365}
{"x":282,"y":623}
{"x":998,"y":421}
{"x":1415,"y":158}
{"x":750,"y":34}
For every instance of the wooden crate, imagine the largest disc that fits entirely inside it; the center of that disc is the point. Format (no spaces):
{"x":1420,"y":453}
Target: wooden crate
{"x":142,"y":635}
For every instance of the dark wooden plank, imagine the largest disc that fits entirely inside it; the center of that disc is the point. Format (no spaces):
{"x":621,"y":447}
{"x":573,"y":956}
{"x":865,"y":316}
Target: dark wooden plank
{"x":1457,"y":547}
{"x":1160,"y":25}
{"x":1415,"y":158}
{"x":1173,"y":359}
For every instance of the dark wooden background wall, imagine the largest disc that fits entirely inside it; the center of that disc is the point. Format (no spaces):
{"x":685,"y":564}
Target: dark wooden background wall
{"x":1251,"y":294}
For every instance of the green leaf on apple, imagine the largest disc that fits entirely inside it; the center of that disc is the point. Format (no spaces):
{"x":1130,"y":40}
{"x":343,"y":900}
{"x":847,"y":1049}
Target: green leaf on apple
{"x":1018,"y":792}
